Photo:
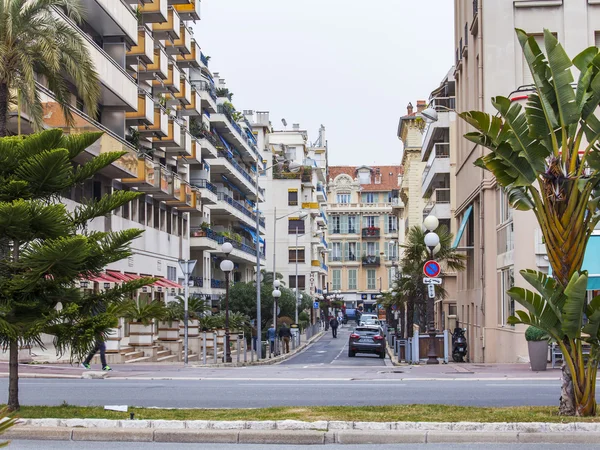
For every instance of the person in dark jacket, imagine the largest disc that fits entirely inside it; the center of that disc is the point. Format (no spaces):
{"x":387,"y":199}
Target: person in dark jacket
{"x":285,"y":335}
{"x":100,"y":345}
{"x":333,"y":323}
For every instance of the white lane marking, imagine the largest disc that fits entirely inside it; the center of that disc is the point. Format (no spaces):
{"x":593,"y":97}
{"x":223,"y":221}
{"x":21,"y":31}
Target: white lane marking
{"x":339,"y":354}
{"x":521,"y":385}
{"x":308,"y":384}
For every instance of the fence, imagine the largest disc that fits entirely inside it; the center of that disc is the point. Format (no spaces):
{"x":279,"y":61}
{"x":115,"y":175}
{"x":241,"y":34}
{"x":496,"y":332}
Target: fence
{"x":413,"y":350}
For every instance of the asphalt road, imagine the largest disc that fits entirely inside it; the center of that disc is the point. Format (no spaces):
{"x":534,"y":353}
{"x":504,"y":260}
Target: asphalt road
{"x":68,"y":445}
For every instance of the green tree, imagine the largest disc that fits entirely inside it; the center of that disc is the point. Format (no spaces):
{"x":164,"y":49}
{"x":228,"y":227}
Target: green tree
{"x":411,"y":293}
{"x":546,"y":157}
{"x":45,"y":248}
{"x":33,"y":40}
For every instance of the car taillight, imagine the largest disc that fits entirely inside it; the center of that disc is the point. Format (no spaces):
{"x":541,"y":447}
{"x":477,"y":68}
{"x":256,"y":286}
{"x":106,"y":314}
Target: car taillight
{"x":378,"y":338}
{"x":354,"y":336}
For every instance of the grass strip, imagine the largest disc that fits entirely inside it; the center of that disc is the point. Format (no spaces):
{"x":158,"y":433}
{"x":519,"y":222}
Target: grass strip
{"x":394,"y":413}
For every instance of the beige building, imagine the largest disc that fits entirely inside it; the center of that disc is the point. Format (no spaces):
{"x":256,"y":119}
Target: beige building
{"x":489,"y":62}
{"x":363,"y":231}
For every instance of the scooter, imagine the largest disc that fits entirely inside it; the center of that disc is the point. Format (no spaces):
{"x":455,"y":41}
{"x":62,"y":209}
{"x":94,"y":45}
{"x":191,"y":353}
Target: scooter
{"x":459,"y":345}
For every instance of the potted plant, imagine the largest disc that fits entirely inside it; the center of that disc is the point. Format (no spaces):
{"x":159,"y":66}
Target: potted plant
{"x":196,"y":309}
{"x":168,"y":327}
{"x":537,"y":342}
{"x":114,"y":335}
{"x":141,"y":317}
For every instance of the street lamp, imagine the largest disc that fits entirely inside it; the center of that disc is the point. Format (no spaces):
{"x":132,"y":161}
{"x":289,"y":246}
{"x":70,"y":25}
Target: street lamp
{"x":292,"y":167}
{"x":226,"y":267}
{"x":432,"y":241}
{"x":430,"y":114}
{"x":276,"y":294}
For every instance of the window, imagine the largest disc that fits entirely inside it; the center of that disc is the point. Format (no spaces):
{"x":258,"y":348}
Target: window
{"x":336,"y":251}
{"x":505,"y":212}
{"x":296,"y":226}
{"x":343,"y":198}
{"x":352,"y":228}
{"x":369,"y":197}
{"x":391,"y":276}
{"x":296,"y":254}
{"x":335,"y":224}
{"x":301,"y":282}
{"x":292,"y":197}
{"x":392,"y":224}
{"x":391,"y":250}
{"x":369,"y":221}
{"x":365,"y":177}
{"x":352,"y":279}
{"x":372,"y":249}
{"x":351,"y":251}
{"x":172,"y":273}
{"x":506,"y":233}
{"x":337,"y":279}
{"x":371,"y":285}
{"x":507,"y":304}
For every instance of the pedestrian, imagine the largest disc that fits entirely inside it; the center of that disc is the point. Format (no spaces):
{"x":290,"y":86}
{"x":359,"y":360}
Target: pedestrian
{"x":254,"y":335}
{"x":333,"y":323}
{"x":99,"y":347}
{"x":271,"y":337}
{"x":358,"y":314}
{"x":285,"y":334}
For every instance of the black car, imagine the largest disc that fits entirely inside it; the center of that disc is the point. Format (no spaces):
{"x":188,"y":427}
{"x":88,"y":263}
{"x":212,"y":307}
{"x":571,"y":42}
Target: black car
{"x":367,"y":339}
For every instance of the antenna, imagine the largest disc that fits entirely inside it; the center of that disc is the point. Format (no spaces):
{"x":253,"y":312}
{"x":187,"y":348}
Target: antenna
{"x":284,"y":122}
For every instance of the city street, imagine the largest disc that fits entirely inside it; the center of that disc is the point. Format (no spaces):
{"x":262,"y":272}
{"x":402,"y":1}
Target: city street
{"x":321,"y":375}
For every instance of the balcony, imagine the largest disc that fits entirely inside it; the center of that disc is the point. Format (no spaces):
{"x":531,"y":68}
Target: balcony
{"x":311,"y":205}
{"x":143,"y":52}
{"x":226,"y":165}
{"x":192,"y":59}
{"x":230,"y":129}
{"x":184,"y":194}
{"x":154,"y":179}
{"x":438,"y":131}
{"x":380,"y":207}
{"x":145,"y":111}
{"x":145,"y":175}
{"x":185,"y":92}
{"x":172,"y":83}
{"x":195,"y":203}
{"x":160,"y":124}
{"x":208,"y":145}
{"x":185,"y":148}
{"x":173,"y":137}
{"x":153,"y":11}
{"x":170,"y":29}
{"x":187,"y":9}
{"x":207,"y":94}
{"x":53,"y":117}
{"x":438,"y":166}
{"x":182,"y":45}
{"x":371,"y":261}
{"x":159,"y":68}
{"x":207,"y":191}
{"x":439,"y":204}
{"x":193,"y":108}
{"x":112,"y":18}
{"x":204,"y":239}
{"x":230,"y":207}
{"x":371,"y":232}
{"x":321,"y":194}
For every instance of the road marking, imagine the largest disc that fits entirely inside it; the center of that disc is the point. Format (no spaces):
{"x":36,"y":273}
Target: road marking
{"x":521,"y":385}
{"x":327,"y":385}
{"x":339,"y":354}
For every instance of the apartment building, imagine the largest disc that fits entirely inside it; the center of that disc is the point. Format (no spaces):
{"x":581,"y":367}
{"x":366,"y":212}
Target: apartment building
{"x":489,"y":62}
{"x":438,"y":152}
{"x":294,"y":211}
{"x":363,"y":231}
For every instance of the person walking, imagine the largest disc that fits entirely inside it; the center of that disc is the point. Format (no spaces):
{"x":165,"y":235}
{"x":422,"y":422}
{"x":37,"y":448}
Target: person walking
{"x":285,"y":334}
{"x":271,"y":337}
{"x":254,"y":335}
{"x":358,"y":314}
{"x":333,"y":323}
{"x":99,"y":347}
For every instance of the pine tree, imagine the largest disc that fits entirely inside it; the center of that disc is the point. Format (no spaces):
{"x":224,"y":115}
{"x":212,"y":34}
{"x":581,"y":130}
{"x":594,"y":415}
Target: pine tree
{"x":45,"y":247}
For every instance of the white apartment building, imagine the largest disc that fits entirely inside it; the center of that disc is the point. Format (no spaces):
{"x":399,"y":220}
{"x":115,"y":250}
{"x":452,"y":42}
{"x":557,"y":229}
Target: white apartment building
{"x":294,"y":210}
{"x":489,"y":62}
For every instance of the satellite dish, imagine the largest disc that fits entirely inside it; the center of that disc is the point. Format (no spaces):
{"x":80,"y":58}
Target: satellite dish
{"x":284,"y":122}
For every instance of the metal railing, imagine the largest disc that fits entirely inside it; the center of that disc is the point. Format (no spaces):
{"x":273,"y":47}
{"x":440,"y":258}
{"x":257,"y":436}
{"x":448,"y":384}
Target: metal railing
{"x":440,"y":150}
{"x":444,"y":102}
{"x":217,"y":284}
{"x":239,"y":206}
{"x":373,"y":232}
{"x":239,"y":168}
{"x":241,"y":135}
{"x":204,"y":184}
{"x":202,"y":85}
{"x":370,"y":260}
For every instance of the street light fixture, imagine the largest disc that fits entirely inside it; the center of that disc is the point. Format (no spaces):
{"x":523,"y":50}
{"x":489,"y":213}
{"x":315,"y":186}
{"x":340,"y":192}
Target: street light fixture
{"x":226,"y":267}
{"x":430,"y":114}
{"x":432,"y":241}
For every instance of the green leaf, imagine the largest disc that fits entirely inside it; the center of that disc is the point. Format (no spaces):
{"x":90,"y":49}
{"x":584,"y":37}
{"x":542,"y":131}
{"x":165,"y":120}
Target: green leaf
{"x":77,"y":143}
{"x":573,"y":308}
{"x":47,"y":172}
{"x":519,"y":198}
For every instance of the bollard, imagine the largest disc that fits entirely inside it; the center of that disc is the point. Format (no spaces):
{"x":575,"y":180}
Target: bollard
{"x":238,"y":348}
{"x":215,"y":346}
{"x":204,"y":347}
{"x":246,"y":350}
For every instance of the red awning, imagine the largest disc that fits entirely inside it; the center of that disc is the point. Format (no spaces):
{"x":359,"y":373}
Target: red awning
{"x":172,"y":283}
{"x":117,"y":275}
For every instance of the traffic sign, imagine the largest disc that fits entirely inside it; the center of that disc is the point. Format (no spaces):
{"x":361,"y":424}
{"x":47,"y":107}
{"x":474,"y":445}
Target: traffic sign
{"x":431,"y":269}
{"x":316,"y":305}
{"x":431,"y":290}
{"x":432,"y":281}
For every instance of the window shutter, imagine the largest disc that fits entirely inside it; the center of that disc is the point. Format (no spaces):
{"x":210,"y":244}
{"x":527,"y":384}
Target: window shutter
{"x":365,"y":222}
{"x":346,"y":251}
{"x":376,"y":221}
{"x":330,"y":224}
{"x":376,"y":248}
{"x":344,"y":224}
{"x":364,"y":248}
{"x":386,"y":228}
{"x":385,"y":249}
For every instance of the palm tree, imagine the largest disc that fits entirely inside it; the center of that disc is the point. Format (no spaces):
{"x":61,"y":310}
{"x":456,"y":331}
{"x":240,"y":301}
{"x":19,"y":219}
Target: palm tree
{"x":546,"y":157}
{"x":410,"y":293}
{"x":34,"y":40}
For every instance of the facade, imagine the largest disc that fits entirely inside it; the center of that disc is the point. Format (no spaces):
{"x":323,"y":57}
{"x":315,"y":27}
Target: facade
{"x":438,"y":188}
{"x":489,"y":62}
{"x":295,"y":205}
{"x":363,"y":231}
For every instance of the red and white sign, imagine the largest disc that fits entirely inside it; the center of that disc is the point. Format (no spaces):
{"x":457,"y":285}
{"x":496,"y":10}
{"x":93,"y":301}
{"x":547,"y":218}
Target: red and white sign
{"x":431,"y":269}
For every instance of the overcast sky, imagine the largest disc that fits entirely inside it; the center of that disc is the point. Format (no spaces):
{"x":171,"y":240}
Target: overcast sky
{"x":350,"y":65}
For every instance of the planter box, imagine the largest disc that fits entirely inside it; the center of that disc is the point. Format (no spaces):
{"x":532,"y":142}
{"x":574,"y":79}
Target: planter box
{"x":538,"y":355}
{"x":113,"y":341}
{"x":168,"y":331}
{"x":193,"y":328}
{"x":140,"y":335}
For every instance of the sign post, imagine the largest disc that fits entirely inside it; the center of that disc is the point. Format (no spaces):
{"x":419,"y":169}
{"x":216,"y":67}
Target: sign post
{"x":187,"y":267}
{"x":431,"y":269}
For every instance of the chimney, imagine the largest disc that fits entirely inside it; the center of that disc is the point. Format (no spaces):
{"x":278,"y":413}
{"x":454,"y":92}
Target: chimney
{"x":421,"y":105}
{"x":409,"y":109}
{"x":296,"y":126}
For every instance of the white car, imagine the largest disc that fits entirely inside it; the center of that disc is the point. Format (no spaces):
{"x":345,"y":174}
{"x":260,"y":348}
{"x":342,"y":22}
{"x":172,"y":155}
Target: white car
{"x":366,"y":316}
{"x":370,"y":321}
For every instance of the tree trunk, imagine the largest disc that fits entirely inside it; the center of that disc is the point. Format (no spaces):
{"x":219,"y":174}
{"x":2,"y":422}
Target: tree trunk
{"x":567,"y":394}
{"x":3,"y":108}
{"x":410,"y":316}
{"x":13,"y":377}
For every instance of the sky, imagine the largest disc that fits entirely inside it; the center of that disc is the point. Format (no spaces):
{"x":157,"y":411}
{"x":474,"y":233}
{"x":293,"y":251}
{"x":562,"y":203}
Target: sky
{"x":351,"y":65}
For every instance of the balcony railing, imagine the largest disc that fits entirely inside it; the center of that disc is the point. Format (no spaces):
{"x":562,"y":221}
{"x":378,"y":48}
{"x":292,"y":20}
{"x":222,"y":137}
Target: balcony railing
{"x":443,"y":102}
{"x":196,"y":282}
{"x":217,"y":284}
{"x":239,"y":206}
{"x":204,"y":184}
{"x":440,"y":151}
{"x":371,"y":232}
{"x":369,"y":260}
{"x":205,"y":86}
{"x":350,"y":258}
{"x":240,"y":169}
{"x":241,"y":135}
{"x":219,"y":239}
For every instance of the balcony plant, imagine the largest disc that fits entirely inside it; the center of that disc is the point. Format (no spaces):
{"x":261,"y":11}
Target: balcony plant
{"x":546,"y":157}
{"x":537,"y":344}
{"x":224,"y":92}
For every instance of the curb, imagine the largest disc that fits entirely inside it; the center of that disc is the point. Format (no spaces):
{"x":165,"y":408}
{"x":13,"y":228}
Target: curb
{"x":302,"y":437}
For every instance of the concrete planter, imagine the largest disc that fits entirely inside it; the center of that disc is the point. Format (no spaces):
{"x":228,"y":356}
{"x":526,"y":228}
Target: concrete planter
{"x":140,"y":335}
{"x":193,"y":328}
{"x":168,"y":331}
{"x":113,"y":341}
{"x":538,"y":355}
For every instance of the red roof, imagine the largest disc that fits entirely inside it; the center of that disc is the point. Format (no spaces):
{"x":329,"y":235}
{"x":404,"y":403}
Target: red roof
{"x":389,"y":176}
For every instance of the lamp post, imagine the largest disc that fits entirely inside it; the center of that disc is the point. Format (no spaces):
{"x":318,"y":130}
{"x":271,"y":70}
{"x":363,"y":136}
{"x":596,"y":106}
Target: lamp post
{"x":432,"y":240}
{"x":187,"y":267}
{"x":276,"y":294}
{"x":293,"y":167}
{"x":226,"y":267}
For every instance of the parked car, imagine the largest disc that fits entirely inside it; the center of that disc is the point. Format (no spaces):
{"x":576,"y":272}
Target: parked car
{"x":375,"y":322}
{"x":367,"y":339}
{"x":367,"y":316}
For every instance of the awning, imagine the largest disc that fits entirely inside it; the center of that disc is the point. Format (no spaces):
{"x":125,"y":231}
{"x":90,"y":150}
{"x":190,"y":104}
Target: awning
{"x":591,"y":263}
{"x":252,"y":233}
{"x":463,"y":225}
{"x":225,"y":143}
{"x":122,"y":276}
{"x":231,"y":185}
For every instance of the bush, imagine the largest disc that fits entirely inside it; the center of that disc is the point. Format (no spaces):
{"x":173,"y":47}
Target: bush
{"x":535,"y":334}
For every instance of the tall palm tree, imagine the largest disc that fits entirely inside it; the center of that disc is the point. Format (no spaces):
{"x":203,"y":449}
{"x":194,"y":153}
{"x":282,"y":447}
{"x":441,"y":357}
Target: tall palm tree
{"x":410,"y":293}
{"x":35,"y":40}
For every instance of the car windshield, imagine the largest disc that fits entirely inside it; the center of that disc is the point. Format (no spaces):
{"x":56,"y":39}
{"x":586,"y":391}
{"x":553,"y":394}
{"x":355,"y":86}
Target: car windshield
{"x":366,"y":331}
{"x":372,"y":322}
